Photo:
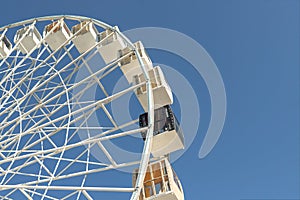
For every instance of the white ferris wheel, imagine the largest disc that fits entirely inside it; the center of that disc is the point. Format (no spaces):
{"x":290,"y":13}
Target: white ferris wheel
{"x":62,"y":121}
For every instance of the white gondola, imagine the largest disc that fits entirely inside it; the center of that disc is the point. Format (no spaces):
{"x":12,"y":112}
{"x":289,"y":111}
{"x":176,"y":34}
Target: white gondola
{"x":160,"y":183}
{"x":110,"y":45}
{"x":5,"y":46}
{"x":29,"y":41}
{"x":56,"y":34}
{"x":86,"y":37}
{"x":130,"y":65}
{"x":167,"y":134}
{"x":162,"y":93}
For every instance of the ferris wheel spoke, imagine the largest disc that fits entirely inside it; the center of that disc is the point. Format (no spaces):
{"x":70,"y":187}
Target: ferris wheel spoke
{"x":80,"y":143}
{"x":27,"y":163}
{"x":81,"y":173}
{"x":52,"y":67}
{"x":33,"y":192}
{"x":35,"y":78}
{"x":23,"y":174}
{"x":62,"y":118}
{"x":61,"y":93}
{"x":76,"y":159}
{"x":107,"y":154}
{"x":2,"y":157}
{"x":51,"y":133}
{"x":83,"y":152}
{"x":26,"y":147}
{"x":70,"y":88}
{"x":19,"y":64}
{"x":70,"y":188}
{"x":52,"y":55}
{"x":95,"y":77}
{"x":74,"y":145}
{"x":77,"y":66}
{"x":43,"y":166}
{"x":38,"y":100}
{"x":7,"y":82}
{"x":96,"y":103}
{"x":88,"y":163}
{"x":69,"y":195}
{"x":17,"y":169}
{"x":6,"y":196}
{"x":25,"y":194}
{"x":25,"y":114}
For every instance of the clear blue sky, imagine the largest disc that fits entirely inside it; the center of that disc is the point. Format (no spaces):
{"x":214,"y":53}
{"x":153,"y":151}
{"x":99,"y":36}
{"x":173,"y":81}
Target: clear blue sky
{"x":255,"y":44}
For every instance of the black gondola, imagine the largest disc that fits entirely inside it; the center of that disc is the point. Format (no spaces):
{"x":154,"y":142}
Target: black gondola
{"x":167,"y":134}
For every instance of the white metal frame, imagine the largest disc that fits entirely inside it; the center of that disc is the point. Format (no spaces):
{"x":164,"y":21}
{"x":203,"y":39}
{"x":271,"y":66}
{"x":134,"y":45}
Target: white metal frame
{"x":15,"y":99}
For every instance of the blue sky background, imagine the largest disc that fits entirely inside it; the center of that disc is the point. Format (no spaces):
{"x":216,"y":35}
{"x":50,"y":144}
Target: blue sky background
{"x":255,"y":44}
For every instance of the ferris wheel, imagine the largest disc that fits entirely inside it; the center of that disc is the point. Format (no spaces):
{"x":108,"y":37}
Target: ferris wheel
{"x":80,"y":105}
